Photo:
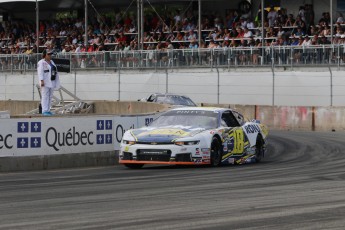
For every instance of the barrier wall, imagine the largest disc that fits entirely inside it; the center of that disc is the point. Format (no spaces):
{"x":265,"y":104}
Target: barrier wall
{"x":317,"y":87}
{"x":17,"y":108}
{"x":59,"y":138}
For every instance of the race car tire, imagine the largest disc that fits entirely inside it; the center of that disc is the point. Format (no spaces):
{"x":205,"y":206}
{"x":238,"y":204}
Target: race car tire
{"x":216,"y":154}
{"x":134,"y":166}
{"x":259,"y":150}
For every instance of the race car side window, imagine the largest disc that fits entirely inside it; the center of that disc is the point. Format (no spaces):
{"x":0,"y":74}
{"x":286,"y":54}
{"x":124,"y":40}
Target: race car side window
{"x":151,"y":98}
{"x":239,"y":118}
{"x":229,"y":120}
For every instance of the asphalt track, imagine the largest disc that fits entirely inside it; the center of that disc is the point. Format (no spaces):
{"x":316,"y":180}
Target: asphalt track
{"x":300,"y":185}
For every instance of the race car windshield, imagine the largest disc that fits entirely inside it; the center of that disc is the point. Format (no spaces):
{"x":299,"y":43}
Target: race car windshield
{"x":188,"y":118}
{"x":175,"y":100}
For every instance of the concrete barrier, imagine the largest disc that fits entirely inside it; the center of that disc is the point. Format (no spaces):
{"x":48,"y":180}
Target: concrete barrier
{"x":297,"y":118}
{"x":17,"y":108}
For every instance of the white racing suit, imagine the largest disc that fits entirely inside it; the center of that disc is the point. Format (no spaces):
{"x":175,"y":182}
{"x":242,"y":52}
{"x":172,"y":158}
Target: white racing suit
{"x":46,"y":73}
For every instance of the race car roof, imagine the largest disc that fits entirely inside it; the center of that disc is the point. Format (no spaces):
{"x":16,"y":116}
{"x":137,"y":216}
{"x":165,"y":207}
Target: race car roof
{"x":215,"y":109}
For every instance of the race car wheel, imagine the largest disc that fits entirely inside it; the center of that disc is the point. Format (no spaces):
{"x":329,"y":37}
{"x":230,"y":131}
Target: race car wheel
{"x":134,"y":166}
{"x":216,"y":154}
{"x":259,"y":151}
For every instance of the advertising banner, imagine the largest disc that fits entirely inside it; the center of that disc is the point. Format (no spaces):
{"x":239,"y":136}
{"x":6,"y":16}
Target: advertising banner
{"x":63,"y":135}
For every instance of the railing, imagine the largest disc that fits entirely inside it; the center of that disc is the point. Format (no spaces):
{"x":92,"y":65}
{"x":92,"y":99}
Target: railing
{"x":274,"y":56}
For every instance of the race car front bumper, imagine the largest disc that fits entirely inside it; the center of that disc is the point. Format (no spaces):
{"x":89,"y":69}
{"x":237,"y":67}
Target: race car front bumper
{"x":164,"y":154}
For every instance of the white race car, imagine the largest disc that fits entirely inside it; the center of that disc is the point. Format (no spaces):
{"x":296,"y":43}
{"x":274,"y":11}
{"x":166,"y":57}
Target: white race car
{"x":195,"y":136}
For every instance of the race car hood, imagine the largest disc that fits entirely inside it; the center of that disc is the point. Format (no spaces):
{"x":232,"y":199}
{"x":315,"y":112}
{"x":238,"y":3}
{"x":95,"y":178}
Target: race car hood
{"x":163,"y":135}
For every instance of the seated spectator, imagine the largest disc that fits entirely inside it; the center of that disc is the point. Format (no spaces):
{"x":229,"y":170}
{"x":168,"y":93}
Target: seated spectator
{"x":247,"y":33}
{"x":339,"y":31}
{"x":290,"y":21}
{"x":169,"y":45}
{"x":300,"y":23}
{"x":180,"y":36}
{"x":66,"y":49}
{"x":212,"y":44}
{"x":213,"y":34}
{"x":160,"y":37}
{"x":280,"y":31}
{"x":325,"y":20}
{"x":250,"y":24}
{"x":146,"y":37}
{"x":233,"y":43}
{"x":315,"y":40}
{"x":240,"y":32}
{"x":193,"y":44}
{"x":243,"y":22}
{"x":306,"y":41}
{"x":314,"y":30}
{"x":295,"y":41}
{"x":342,"y":41}
{"x":191,"y":35}
{"x":122,"y":37}
{"x":299,"y":32}
{"x":271,"y":33}
{"x":227,"y":34}
{"x":325,"y":31}
{"x":189,"y":26}
{"x":340,"y":19}
{"x":48,"y":42}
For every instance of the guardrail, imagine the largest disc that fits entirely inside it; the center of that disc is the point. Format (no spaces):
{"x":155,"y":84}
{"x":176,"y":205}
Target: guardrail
{"x":289,"y":56}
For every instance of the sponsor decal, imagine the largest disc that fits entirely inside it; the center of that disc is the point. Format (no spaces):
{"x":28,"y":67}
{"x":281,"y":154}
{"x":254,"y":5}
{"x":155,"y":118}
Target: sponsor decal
{"x":231,"y":160}
{"x":205,"y":151}
{"x":197,"y":151}
{"x":252,"y":128}
{"x":197,"y":160}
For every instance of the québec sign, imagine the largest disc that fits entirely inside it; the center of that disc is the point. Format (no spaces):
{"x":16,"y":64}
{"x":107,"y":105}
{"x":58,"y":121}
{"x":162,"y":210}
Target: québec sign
{"x":63,"y":135}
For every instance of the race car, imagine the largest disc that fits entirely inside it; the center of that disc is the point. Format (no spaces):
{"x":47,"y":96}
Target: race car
{"x":195,"y":136}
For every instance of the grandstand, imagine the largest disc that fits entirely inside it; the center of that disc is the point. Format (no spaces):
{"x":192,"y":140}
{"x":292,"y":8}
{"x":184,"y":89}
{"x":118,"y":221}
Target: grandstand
{"x":134,"y":48}
{"x":172,"y":34}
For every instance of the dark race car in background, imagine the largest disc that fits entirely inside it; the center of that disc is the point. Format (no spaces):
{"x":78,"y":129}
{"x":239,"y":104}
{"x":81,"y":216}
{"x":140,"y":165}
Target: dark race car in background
{"x":195,"y":136}
{"x":171,"y":99}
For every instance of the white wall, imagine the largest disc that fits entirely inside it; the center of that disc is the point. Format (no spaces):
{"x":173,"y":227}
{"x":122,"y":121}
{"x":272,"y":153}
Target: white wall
{"x":235,"y":87}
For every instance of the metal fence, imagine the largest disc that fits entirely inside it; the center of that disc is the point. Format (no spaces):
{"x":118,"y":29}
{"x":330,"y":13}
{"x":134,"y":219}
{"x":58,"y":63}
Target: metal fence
{"x":284,"y":56}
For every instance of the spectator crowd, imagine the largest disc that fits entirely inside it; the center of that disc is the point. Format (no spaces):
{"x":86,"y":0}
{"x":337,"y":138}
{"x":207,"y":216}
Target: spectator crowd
{"x":174,"y":30}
